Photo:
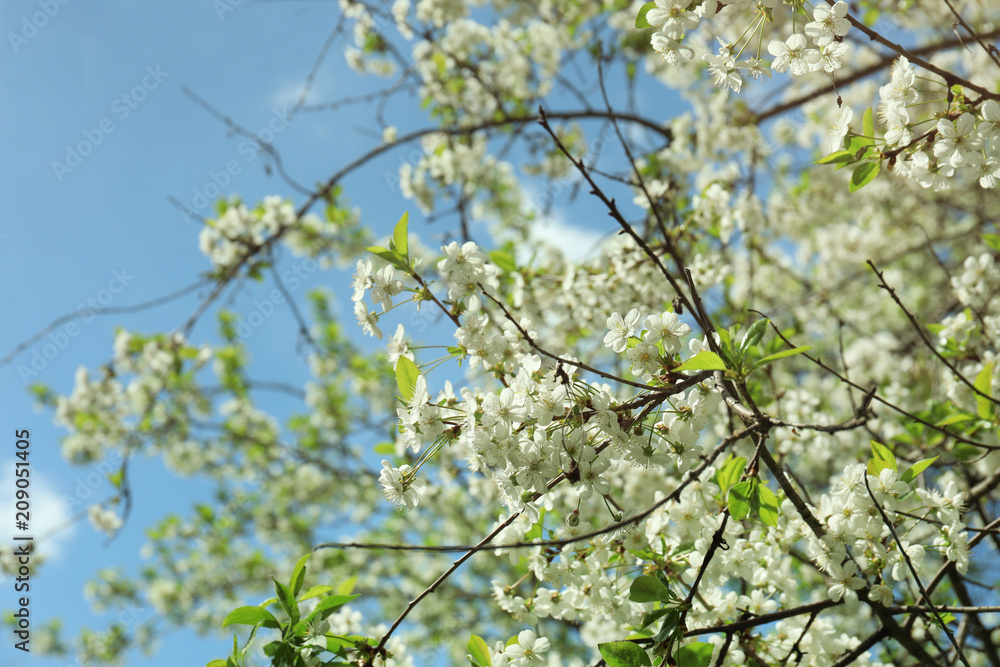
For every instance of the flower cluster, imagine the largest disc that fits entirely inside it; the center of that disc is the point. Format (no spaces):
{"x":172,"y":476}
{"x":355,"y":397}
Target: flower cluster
{"x":858,"y":541}
{"x":240,"y":233}
{"x":400,"y":485}
{"x":468,"y":273}
{"x":381,"y":286}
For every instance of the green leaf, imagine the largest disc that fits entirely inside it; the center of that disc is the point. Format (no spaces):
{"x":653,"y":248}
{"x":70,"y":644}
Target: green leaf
{"x":216,"y":663}
{"x":739,"y":499}
{"x":648,"y":589}
{"x":964,"y":452}
{"x":347,"y":585}
{"x":882,"y":458}
{"x":381,"y":252}
{"x":640,"y":18}
{"x":286,"y":600}
{"x":697,"y":654}
{"x":767,"y":506}
{"x":703,"y":361}
{"x":479,"y":652}
{"x":837,"y":157}
{"x":856,"y":144}
{"x":329,"y":605}
{"x":864,"y":174}
{"x":315,"y":592}
{"x":504,"y":261}
{"x":992,"y":240}
{"x":385,"y":448}
{"x":299,"y":574}
{"x":623,"y":654}
{"x":249,"y":616}
{"x":911,"y":473}
{"x":406,"y":377}
{"x":724,"y":338}
{"x":655,"y":615}
{"x":670,"y":630}
{"x":399,"y":242}
{"x":730,"y":472}
{"x":781,"y":355}
{"x":954,"y":419}
{"x":983,"y":383}
{"x":868,"y":123}
{"x":754,"y":334}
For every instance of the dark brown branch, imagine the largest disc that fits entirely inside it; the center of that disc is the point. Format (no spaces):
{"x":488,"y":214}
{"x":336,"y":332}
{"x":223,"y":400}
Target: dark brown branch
{"x":950,"y":78}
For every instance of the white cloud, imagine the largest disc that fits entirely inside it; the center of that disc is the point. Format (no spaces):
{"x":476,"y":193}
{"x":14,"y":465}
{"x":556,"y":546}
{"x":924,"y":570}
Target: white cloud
{"x":577,"y":243}
{"x":288,"y":95}
{"x":48,"y":514}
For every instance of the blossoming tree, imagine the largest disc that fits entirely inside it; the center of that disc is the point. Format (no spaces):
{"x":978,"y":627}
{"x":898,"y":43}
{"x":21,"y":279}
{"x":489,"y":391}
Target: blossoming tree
{"x":759,"y":426}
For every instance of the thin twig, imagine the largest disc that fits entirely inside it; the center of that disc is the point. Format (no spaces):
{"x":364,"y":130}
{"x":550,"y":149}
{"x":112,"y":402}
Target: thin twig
{"x":916,"y":577}
{"x":924,"y":337}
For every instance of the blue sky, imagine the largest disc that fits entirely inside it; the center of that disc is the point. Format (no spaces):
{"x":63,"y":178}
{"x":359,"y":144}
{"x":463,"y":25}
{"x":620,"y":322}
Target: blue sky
{"x":104,"y":81}
{"x":98,"y":135}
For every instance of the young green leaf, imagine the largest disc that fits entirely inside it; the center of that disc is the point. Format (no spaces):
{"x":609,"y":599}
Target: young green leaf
{"x":479,"y":652}
{"x":983,"y":383}
{"x":856,"y":145}
{"x":399,"y":242}
{"x":696,"y":654}
{"x":648,"y":589}
{"x":382,"y":253}
{"x":655,"y":615}
{"x":781,"y":355}
{"x":623,"y":654}
{"x":954,"y":419}
{"x":640,"y":18}
{"x":882,"y":458}
{"x":911,"y":473}
{"x":730,"y":472}
{"x":864,"y":174}
{"x":739,"y":499}
{"x":837,"y":157}
{"x":868,"y":123}
{"x":504,"y":261}
{"x":754,"y":334}
{"x":315,"y":591}
{"x":767,"y":506}
{"x":249,"y":616}
{"x":406,"y":378}
{"x":299,"y":574}
{"x":328,"y":605}
{"x":286,"y":600}
{"x":703,"y":361}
